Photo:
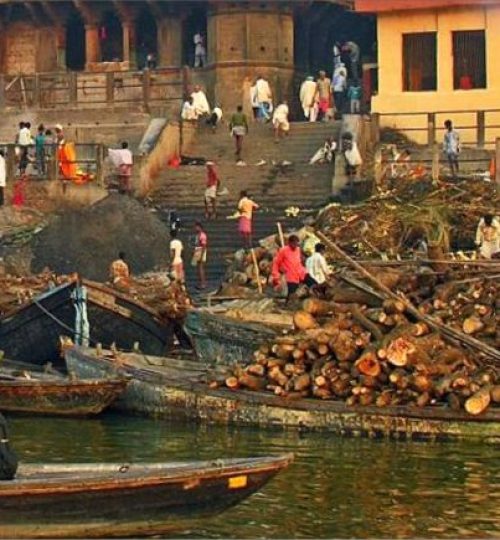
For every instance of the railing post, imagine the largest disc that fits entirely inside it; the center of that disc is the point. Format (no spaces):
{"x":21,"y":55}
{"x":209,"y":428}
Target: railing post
{"x":431,"y":129}
{"x":110,"y":87}
{"x":73,"y":87}
{"x":435,"y":163}
{"x":375,"y":128}
{"x":36,"y":91}
{"x":377,"y":168}
{"x":146,"y":87}
{"x":481,"y":128}
{"x":186,"y":81}
{"x":99,"y":160}
{"x":497,"y":164}
{"x":2,"y":91}
{"x":10,"y":165}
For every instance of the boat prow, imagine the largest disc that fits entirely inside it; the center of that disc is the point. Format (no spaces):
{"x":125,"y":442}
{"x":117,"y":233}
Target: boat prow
{"x":120,"y":500}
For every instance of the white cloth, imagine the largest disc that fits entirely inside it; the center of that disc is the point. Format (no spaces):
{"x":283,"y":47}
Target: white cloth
{"x":188,"y":111}
{"x":308,"y":94}
{"x":339,"y":82}
{"x":177,"y":247}
{"x":317,"y":268}
{"x":3,"y":175}
{"x":280,"y":117}
{"x":325,"y":153}
{"x":122,"y":156}
{"x":353,"y":156}
{"x":451,"y":142}
{"x":200,"y":103}
{"x":263,"y":91}
{"x":24,"y":137}
{"x":253,"y":97}
{"x":218,"y":112}
{"x":488,"y":238}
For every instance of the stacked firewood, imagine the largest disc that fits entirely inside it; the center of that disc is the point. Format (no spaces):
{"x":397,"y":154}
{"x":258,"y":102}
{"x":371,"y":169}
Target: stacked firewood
{"x":368,"y":356}
{"x":469,"y":306}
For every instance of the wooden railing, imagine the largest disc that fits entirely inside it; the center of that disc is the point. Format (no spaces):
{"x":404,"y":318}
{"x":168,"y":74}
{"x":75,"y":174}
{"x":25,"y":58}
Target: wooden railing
{"x":430,"y":124}
{"x":92,"y":89}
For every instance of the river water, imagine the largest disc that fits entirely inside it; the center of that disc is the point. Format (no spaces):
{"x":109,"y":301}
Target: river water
{"x":335,"y":488}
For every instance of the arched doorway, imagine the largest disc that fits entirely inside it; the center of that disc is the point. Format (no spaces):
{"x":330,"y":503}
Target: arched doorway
{"x":75,"y":43}
{"x":195,"y":24}
{"x":111,"y":38}
{"x":146,"y":33}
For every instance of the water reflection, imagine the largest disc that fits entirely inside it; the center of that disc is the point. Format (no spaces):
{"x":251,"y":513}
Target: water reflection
{"x":336,"y":487}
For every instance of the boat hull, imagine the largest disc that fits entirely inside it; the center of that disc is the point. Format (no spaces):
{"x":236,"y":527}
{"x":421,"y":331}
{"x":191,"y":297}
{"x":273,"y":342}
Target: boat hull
{"x":59,"y":397}
{"x":113,"y":317}
{"x":126,"y":500}
{"x":177,"y":394}
{"x":216,"y":338}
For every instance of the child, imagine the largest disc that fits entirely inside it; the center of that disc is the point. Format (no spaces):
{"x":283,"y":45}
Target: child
{"x":354,"y":94}
{"x":488,"y":236}
{"x":40,"y":140}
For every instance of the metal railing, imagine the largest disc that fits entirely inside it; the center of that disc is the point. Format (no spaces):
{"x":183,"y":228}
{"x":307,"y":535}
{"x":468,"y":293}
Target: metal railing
{"x":92,"y":89}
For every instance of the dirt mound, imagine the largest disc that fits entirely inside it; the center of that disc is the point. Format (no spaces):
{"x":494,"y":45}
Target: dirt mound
{"x":88,"y":240}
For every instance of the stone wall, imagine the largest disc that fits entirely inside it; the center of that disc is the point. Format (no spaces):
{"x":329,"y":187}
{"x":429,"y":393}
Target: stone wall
{"x":28,"y":48}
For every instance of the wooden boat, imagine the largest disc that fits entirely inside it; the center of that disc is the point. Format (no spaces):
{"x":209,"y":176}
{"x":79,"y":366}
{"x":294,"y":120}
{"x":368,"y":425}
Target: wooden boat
{"x":52,"y":394}
{"x":173,"y":388}
{"x":233,"y":330}
{"x":119,"y":500}
{"x":31,"y":332}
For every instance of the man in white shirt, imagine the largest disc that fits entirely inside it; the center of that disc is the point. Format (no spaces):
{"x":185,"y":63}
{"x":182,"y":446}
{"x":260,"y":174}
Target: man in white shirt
{"x":317,"y":266}
{"x":176,"y":249}
{"x":264,"y":97}
{"x":188,"y":112}
{"x":309,"y":98}
{"x":215,"y":118}
{"x":200,"y":101}
{"x":2,"y":178}
{"x":200,"y":52}
{"x":24,"y":140}
{"x":339,"y":86}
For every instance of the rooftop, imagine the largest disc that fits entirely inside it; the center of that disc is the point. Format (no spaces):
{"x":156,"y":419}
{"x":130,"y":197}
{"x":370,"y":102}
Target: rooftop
{"x":380,"y":6}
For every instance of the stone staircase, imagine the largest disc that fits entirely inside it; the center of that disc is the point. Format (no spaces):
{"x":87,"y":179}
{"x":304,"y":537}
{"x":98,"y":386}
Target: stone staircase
{"x":273,"y":186}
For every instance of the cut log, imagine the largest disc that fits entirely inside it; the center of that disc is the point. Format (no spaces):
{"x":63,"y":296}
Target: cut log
{"x":317,"y":307}
{"x":367,"y":364}
{"x":304,"y":321}
{"x":479,"y":402}
{"x":256,"y":369}
{"x":302,"y":382}
{"x":399,"y":350}
{"x":472,"y":325}
{"x":251,"y":382}
{"x":495,"y":393}
{"x":232,"y":383}
{"x":392,"y":307}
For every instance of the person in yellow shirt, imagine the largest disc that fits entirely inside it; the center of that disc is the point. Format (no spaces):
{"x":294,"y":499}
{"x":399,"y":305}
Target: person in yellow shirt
{"x":246,"y":209}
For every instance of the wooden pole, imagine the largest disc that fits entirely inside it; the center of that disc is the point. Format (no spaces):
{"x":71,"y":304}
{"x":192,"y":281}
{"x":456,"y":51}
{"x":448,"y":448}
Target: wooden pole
{"x":377,"y":168}
{"x":435,"y":163}
{"x":497,"y":163}
{"x":481,"y":128}
{"x":257,"y":270}
{"x":375,"y":128}
{"x":487,"y":350}
{"x":110,"y":87}
{"x":280,"y":233}
{"x":431,"y":129}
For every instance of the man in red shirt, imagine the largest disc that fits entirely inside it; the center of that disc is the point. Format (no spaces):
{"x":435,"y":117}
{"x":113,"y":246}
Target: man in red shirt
{"x":288,"y":261}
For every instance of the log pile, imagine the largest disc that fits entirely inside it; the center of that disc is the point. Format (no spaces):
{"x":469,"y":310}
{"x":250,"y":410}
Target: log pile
{"x":368,"y":356}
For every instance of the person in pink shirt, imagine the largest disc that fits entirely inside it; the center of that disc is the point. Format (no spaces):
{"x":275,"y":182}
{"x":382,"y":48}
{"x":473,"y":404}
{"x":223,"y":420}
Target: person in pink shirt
{"x":200,"y":254}
{"x":288,"y":261}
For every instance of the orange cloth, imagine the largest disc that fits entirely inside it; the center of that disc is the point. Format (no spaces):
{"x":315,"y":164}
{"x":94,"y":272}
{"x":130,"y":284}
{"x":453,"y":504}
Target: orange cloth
{"x":66,"y":155}
{"x":289,"y":262}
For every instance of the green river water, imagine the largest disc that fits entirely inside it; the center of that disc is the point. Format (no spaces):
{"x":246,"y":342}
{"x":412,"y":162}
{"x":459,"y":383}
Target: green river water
{"x":335,"y":488}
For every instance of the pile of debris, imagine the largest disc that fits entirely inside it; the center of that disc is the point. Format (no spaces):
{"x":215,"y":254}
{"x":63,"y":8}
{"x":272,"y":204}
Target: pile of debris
{"x":392,"y":222}
{"x":367,"y":356}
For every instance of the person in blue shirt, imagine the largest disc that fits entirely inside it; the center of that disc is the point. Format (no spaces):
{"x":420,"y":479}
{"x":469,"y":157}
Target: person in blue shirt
{"x":354,"y":94}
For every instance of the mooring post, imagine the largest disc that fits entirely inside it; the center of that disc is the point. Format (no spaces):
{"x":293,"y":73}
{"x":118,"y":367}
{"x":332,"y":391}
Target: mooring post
{"x":431,"y":129}
{"x":481,"y":128}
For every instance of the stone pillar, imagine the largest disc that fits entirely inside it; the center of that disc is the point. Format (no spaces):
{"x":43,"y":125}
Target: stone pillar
{"x":169,"y":41}
{"x":127,"y":34}
{"x":61,"y":48}
{"x":92,"y":45}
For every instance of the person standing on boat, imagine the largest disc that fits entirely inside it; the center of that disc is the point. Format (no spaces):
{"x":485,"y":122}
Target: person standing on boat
{"x":176,"y":249}
{"x":79,"y":299}
{"x":288,"y":261}
{"x":119,"y":273}
{"x":8,"y":458}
